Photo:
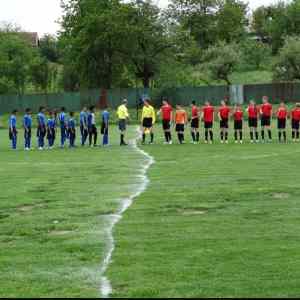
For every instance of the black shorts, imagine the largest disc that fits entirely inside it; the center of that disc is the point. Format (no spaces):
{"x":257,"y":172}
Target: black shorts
{"x":147,"y":123}
{"x":224,"y":123}
{"x":208,"y":125}
{"x":238,"y":125}
{"x":92,"y":130}
{"x":265,"y":121}
{"x":195,"y":123}
{"x":295,"y":124}
{"x":252,"y":122}
{"x":281,"y":123}
{"x":179,"y":127}
{"x":122,"y":124}
{"x":166,"y":124}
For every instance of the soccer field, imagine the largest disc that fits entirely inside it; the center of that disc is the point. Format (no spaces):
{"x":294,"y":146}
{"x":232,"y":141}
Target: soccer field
{"x":215,"y":221}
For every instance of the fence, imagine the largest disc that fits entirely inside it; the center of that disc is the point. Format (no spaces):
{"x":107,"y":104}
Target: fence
{"x":183,"y":95}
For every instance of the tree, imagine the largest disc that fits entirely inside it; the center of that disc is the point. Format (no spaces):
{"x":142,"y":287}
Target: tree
{"x":255,"y":54}
{"x":271,"y":24}
{"x":231,"y":21}
{"x":222,"y":60}
{"x":15,"y":59}
{"x":148,"y":40}
{"x":94,"y":32}
{"x":287,"y":66}
{"x":49,"y":49}
{"x":198,"y":17}
{"x":43,"y":73}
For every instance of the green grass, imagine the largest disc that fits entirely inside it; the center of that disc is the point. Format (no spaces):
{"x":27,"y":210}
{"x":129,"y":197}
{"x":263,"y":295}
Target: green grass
{"x":53,"y":206}
{"x":215,"y":221}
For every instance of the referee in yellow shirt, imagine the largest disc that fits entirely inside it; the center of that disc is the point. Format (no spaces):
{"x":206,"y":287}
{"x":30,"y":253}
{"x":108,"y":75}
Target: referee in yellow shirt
{"x":123,"y":116}
{"x":148,"y":120}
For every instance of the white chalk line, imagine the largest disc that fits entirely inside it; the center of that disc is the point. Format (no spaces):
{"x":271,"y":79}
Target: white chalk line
{"x":112,"y":220}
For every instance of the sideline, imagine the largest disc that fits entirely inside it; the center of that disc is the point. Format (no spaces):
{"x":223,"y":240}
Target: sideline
{"x":112,"y":220}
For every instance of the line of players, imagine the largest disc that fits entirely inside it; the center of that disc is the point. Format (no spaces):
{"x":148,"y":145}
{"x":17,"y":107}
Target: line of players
{"x":264,"y":113}
{"x":47,"y":128}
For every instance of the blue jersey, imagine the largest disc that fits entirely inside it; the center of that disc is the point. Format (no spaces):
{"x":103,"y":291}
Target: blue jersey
{"x":51,"y":123}
{"x":89,"y":119}
{"x":27,"y":121}
{"x":71,"y":123}
{"x":62,"y":119}
{"x":83,"y":118}
{"x":41,"y":119}
{"x":105,"y":117}
{"x":13,"y":121}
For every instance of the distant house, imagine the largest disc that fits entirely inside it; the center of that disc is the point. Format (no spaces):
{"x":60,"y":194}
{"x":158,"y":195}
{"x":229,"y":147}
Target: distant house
{"x":31,"y":37}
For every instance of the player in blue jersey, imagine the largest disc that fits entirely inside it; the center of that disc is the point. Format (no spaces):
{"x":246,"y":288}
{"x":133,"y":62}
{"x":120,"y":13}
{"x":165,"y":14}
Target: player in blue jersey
{"x":51,"y":130}
{"x":62,"y":118}
{"x":13,"y":133}
{"x":41,"y":128}
{"x":83,"y":126}
{"x":92,"y":129}
{"x":104,"y":127}
{"x":27,"y":125}
{"x":72,"y":130}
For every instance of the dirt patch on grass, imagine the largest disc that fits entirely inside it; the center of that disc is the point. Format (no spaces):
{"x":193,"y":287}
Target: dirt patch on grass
{"x":28,"y":208}
{"x":60,"y":232}
{"x":193,"y":211}
{"x":280,"y":196}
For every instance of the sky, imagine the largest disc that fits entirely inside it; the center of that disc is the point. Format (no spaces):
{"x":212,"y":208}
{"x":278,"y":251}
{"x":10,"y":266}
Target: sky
{"x":42,"y":15}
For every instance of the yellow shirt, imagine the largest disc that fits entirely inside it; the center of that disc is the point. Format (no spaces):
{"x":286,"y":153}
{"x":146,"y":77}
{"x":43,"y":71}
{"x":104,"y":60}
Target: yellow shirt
{"x":122,"y":112}
{"x":149,"y":112}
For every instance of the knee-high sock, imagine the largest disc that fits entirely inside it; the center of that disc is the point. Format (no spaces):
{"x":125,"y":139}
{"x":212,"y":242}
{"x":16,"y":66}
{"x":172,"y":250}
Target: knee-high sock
{"x":166,"y":136}
{"x":198,"y":137}
{"x":263,"y":134}
{"x":241,"y":135}
{"x":279,"y":136}
{"x":235,"y":135}
{"x":251,"y":135}
{"x":211,"y":135}
{"x":193,"y":136}
{"x":270,"y":134}
{"x":152,"y":137}
{"x":206,"y":135}
{"x":284,"y":135}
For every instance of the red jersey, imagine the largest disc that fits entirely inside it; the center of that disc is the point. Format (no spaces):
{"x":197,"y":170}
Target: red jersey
{"x":208,"y":113}
{"x":224,"y":112}
{"x":296,"y":114}
{"x":266,"y":109}
{"x":282,"y":113}
{"x":166,"y":111}
{"x":195,"y":112}
{"x":252,"y":112}
{"x":238,"y":115}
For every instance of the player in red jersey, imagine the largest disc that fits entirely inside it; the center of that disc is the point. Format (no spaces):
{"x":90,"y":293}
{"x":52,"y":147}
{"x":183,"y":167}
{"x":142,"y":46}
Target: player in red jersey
{"x":295,"y":116}
{"x":166,"y":112}
{"x":282,"y":114}
{"x":208,"y":119}
{"x":238,"y":123}
{"x":224,"y":113}
{"x":195,"y":123}
{"x":266,"y":117}
{"x":253,"y":120}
